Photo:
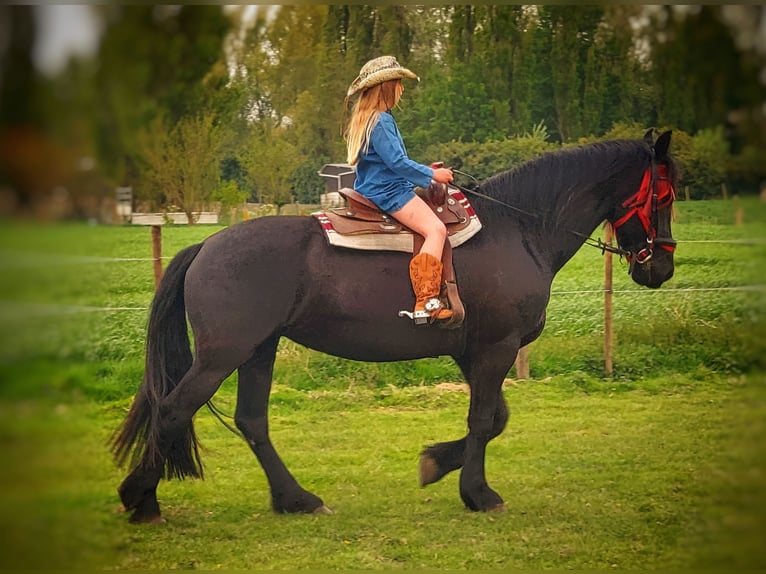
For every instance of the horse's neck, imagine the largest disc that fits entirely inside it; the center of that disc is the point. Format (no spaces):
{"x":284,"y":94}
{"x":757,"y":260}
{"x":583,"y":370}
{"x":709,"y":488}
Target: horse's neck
{"x":563,"y":196}
{"x":576,"y":221}
{"x":553,"y":232}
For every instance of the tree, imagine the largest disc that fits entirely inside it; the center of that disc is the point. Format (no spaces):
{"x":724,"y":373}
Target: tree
{"x":270,"y":161}
{"x":454,"y":105}
{"x":275,"y":93}
{"x":573,"y":29}
{"x":22,"y":141}
{"x":152,"y":62}
{"x":18,"y":77}
{"x":533,"y":87}
{"x":180,"y":163}
{"x":291,"y":69}
{"x":701,"y":76}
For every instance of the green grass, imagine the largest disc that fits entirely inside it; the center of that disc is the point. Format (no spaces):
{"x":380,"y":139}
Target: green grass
{"x":592,"y":480}
{"x":660,"y":466}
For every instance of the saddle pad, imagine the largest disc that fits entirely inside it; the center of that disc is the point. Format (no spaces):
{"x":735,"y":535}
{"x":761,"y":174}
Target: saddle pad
{"x":402,"y":240}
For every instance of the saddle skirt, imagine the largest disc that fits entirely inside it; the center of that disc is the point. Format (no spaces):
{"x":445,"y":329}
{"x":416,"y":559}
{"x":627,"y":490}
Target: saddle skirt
{"x":362,"y":225}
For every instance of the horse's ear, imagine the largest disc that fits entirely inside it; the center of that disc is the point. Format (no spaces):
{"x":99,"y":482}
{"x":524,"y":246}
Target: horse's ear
{"x":662,"y":145}
{"x":649,"y":137}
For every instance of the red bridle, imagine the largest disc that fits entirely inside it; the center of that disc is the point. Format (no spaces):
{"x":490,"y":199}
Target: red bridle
{"x":656,"y":192}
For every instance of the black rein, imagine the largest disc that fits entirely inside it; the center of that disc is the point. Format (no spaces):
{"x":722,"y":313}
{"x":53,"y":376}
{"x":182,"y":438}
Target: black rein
{"x":598,"y":243}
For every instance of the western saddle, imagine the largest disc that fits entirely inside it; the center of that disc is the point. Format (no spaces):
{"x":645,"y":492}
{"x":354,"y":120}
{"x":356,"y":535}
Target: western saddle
{"x":361,"y":216}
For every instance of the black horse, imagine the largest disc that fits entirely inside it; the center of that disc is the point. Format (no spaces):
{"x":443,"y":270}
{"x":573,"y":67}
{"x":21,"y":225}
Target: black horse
{"x":245,"y":287}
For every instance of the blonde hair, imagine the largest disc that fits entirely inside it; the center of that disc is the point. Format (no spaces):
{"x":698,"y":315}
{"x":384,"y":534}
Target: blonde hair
{"x":365,"y":114}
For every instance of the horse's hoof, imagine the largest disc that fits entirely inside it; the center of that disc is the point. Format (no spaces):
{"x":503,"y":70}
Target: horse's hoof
{"x":498,"y":508}
{"x":156,"y":519}
{"x":429,"y":470}
{"x":322,"y":510}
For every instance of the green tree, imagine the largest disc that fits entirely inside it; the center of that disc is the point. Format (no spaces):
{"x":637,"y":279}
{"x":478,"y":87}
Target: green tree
{"x":613,"y":77}
{"x":294,"y":35}
{"x":180,"y":162}
{"x":152,"y":62}
{"x":533,"y":89}
{"x":573,"y":30}
{"x":270,"y":161}
{"x":453,"y":105}
{"x":18,"y":76}
{"x":22,"y":137}
{"x":701,"y":76}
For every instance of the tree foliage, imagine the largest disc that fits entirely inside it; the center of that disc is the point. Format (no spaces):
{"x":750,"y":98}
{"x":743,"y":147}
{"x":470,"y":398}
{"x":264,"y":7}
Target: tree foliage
{"x":498,"y":84}
{"x":180,"y":162}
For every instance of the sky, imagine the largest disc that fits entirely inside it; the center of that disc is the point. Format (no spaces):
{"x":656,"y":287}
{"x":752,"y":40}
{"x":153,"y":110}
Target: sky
{"x":72,"y":29}
{"x":63,"y":30}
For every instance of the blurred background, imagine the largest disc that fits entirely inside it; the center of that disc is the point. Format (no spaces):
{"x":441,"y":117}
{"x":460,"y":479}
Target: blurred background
{"x":195,"y":108}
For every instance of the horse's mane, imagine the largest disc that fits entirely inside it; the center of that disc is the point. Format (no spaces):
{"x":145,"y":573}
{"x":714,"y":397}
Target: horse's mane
{"x":549,"y":184}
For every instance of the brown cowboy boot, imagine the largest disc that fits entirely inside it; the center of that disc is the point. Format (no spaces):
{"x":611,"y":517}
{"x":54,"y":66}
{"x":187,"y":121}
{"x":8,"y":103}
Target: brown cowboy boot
{"x":426,"y":277}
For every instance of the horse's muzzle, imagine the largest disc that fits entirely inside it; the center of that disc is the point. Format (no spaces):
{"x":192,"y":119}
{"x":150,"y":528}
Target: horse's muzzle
{"x":654,"y":270}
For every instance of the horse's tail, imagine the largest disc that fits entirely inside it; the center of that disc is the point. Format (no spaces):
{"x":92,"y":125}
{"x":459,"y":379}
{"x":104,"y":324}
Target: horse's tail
{"x":168,"y":358}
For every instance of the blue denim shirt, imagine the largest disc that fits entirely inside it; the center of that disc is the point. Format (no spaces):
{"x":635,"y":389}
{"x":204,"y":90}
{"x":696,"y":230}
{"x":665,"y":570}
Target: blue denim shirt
{"x":384,"y":174}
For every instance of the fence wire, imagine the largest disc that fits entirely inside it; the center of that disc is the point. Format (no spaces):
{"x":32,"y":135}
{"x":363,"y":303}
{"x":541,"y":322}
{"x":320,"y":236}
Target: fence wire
{"x":15,"y":259}
{"x":18,"y":310}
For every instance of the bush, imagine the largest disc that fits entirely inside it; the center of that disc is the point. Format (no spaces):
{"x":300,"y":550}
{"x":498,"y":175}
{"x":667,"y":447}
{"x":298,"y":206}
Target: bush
{"x":485,"y":159}
{"x":747,"y":170}
{"x":704,"y":163}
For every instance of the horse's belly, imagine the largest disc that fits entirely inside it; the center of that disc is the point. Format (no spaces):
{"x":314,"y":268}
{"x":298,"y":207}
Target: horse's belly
{"x":368,"y":341}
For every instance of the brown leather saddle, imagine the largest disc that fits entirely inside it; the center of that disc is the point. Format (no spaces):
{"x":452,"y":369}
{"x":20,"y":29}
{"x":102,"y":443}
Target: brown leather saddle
{"x":361,"y":216}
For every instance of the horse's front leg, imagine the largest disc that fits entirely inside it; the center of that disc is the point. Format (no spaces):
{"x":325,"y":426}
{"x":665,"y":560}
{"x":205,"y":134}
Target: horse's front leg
{"x":251,"y":417}
{"x":438,"y":460}
{"x":485,"y":372}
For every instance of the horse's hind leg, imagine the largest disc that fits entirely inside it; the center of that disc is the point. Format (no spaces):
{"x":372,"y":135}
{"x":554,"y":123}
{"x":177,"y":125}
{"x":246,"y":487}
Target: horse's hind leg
{"x":138,"y":491}
{"x":251,"y":418}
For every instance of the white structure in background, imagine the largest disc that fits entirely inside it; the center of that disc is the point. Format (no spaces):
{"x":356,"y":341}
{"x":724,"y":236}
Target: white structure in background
{"x":124,"y":197}
{"x":337,"y":176}
{"x":176,"y":217}
{"x":126,"y":214}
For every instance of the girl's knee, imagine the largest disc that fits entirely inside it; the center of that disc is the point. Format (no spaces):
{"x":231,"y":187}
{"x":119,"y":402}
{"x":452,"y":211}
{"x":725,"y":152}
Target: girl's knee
{"x":439,"y":230}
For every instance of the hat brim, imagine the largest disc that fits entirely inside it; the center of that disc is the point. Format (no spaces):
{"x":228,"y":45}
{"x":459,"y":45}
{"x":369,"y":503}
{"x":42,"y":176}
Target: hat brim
{"x":378,"y":77}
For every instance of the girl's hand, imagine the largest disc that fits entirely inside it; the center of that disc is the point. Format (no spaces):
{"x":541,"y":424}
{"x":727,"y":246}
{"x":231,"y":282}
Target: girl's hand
{"x":442,"y":175}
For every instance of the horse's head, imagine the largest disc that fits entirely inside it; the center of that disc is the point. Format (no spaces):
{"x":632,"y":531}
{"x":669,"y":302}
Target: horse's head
{"x":642,"y":221}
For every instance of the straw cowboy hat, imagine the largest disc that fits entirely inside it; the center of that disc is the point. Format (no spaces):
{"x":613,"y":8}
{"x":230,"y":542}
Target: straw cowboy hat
{"x":377,"y":71}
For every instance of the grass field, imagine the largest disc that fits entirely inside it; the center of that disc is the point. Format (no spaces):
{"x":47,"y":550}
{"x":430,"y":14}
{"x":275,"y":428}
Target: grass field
{"x":660,"y":466}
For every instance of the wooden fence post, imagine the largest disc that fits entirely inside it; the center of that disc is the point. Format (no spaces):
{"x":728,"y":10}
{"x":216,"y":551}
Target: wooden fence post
{"x":608,"y":332}
{"x":522,"y":363}
{"x":739,"y":213}
{"x":157,"y":254}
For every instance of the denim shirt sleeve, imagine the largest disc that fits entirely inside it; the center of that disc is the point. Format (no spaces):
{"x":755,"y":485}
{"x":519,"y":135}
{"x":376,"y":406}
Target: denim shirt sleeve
{"x":388,"y":144}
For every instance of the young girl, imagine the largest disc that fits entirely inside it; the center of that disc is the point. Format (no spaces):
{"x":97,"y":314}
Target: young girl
{"x":387,"y":177}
